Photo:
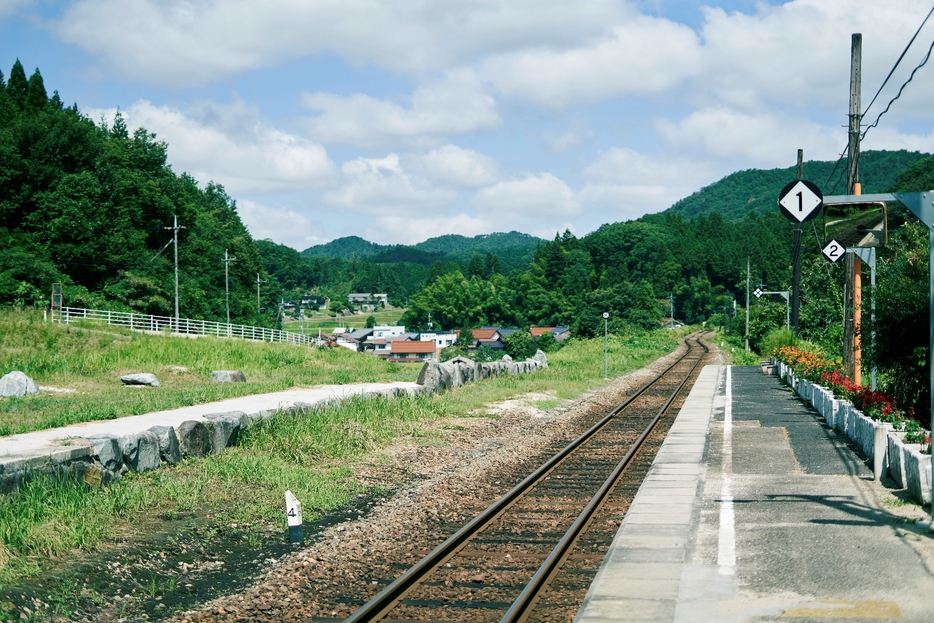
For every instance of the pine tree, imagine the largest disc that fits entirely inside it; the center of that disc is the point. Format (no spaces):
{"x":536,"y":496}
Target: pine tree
{"x":36,"y":97}
{"x":17,"y":87}
{"x":2,"y":83}
{"x":119,"y":127}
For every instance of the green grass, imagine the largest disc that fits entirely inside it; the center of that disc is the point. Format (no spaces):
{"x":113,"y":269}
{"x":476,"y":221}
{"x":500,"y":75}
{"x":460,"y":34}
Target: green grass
{"x":91,"y":358}
{"x":313,"y":455}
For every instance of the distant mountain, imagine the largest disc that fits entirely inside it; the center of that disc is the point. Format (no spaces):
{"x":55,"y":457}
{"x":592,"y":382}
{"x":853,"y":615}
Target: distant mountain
{"x":345,"y":248}
{"x":756,"y":190}
{"x":438,"y":248}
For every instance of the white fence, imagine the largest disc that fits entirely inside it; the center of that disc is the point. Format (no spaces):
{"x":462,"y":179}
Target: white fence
{"x":185,"y":326}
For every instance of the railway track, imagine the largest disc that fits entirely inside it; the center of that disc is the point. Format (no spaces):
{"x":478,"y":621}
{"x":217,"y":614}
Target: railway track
{"x":532,"y":554}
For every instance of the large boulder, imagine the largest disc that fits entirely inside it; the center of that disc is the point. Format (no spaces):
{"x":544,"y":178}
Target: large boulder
{"x":194,"y":439}
{"x":448,"y":371}
{"x":507,"y":358}
{"x":430,"y":377}
{"x":107,"y":451}
{"x":140,"y":451}
{"x":541,"y":358}
{"x":225,"y":428}
{"x":228,"y":376}
{"x":169,"y":448}
{"x":16,"y":384}
{"x":142,"y":378}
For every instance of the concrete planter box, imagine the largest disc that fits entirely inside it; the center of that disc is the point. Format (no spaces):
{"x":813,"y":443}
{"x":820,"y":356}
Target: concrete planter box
{"x":896,"y":452}
{"x":904,"y":463}
{"x":917,"y":473}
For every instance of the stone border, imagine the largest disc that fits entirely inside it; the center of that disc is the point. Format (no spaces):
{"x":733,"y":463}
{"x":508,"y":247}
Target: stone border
{"x":102,"y":458}
{"x":903,"y":462}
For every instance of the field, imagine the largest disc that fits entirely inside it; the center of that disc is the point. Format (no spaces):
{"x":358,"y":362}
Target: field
{"x":88,"y":359}
{"x":311,"y":324}
{"x":313,"y":456}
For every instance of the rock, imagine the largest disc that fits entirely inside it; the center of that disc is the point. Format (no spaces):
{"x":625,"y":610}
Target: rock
{"x":142,"y":378}
{"x":93,"y":476}
{"x":17,"y":384}
{"x":107,"y":451}
{"x":447,"y":375}
{"x":541,"y":357}
{"x":228,"y":376}
{"x":140,"y":451}
{"x":169,"y":449}
{"x":225,"y":428}
{"x":507,"y":358}
{"x":194,"y":439}
{"x":430,"y":377}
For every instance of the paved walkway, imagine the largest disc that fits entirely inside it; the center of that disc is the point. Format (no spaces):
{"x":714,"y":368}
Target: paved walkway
{"x":755,"y":511}
{"x":43,"y":445}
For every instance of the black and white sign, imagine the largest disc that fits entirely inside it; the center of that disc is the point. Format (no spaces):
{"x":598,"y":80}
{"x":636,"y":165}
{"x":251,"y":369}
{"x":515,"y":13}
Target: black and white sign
{"x":834,"y":250}
{"x":800,"y":200}
{"x":758,"y":292}
{"x":606,"y":315}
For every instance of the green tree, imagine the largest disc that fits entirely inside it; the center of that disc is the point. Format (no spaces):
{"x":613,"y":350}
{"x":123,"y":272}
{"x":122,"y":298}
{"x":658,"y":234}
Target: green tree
{"x":370,"y":322}
{"x":520,"y":345}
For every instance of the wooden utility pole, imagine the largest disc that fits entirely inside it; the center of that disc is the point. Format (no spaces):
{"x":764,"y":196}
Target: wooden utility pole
{"x":851,"y":349}
{"x":796,"y":279}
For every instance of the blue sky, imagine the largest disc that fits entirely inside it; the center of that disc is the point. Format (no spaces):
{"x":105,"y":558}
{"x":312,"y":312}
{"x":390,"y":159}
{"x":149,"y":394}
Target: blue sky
{"x":398,"y":121}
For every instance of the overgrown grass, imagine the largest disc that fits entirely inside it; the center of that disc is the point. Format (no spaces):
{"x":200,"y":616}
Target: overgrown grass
{"x":91,"y":358}
{"x":312,"y":455}
{"x":311,"y":324}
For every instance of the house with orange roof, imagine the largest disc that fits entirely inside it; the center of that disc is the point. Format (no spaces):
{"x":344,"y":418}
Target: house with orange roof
{"x":409,"y":351}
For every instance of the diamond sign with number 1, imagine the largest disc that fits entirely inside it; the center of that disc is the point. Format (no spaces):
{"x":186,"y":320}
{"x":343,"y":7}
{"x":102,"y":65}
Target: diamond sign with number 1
{"x":800,"y":201}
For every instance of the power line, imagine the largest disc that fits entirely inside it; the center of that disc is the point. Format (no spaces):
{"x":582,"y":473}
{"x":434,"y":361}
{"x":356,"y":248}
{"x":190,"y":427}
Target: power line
{"x":895,"y":66}
{"x":899,"y":94}
{"x":882,"y":86}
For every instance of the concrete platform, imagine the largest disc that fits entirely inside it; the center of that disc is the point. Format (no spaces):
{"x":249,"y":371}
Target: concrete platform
{"x":755,"y":511}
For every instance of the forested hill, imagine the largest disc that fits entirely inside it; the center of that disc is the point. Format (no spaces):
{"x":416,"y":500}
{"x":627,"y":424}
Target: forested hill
{"x":345,"y":248}
{"x":756,"y":190}
{"x":513,"y":248}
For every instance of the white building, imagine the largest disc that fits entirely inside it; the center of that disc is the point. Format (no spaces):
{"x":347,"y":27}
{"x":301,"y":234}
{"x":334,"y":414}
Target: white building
{"x":383,"y":331}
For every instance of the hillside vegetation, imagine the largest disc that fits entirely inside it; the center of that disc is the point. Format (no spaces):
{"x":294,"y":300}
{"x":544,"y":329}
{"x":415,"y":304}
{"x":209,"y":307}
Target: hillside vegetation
{"x":89,"y":359}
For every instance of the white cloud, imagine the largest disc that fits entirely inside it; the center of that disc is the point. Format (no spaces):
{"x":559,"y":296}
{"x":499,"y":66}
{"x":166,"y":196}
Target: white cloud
{"x":529,"y":197}
{"x":231,"y":145}
{"x":391,"y":229}
{"x":760,"y":139}
{"x":9,"y":7}
{"x":456,"y":105}
{"x":190,"y":41}
{"x":380,"y":185}
{"x":450,"y":164}
{"x":280,"y":224}
{"x":640,"y":56}
{"x":628,"y":184}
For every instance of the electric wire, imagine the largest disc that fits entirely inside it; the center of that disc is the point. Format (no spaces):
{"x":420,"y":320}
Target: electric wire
{"x":879,"y":91}
{"x":895,"y":66}
{"x":923,"y":62}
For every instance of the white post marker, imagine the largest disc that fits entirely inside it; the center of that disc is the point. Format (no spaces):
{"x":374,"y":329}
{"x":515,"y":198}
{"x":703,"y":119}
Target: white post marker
{"x":293,"y":511}
{"x":606,"y":316}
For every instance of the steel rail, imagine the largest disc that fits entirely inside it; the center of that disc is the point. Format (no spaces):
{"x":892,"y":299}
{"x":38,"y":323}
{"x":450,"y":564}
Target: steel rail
{"x":527,"y":599}
{"x":386,"y":600}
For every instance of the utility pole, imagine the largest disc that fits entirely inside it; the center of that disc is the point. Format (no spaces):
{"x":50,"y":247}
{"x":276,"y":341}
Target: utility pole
{"x":747,"y":303}
{"x":671,"y":301}
{"x":175,"y":227}
{"x":796,"y":278}
{"x":851,"y":304}
{"x":258,"y":282}
{"x":227,"y":260}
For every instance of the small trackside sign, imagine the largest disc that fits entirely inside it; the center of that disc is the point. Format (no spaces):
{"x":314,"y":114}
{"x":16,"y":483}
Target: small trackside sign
{"x":800,"y":201}
{"x":834,"y":250}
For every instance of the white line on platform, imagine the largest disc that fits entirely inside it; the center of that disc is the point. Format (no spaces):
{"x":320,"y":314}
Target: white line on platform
{"x":726,"y":557}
